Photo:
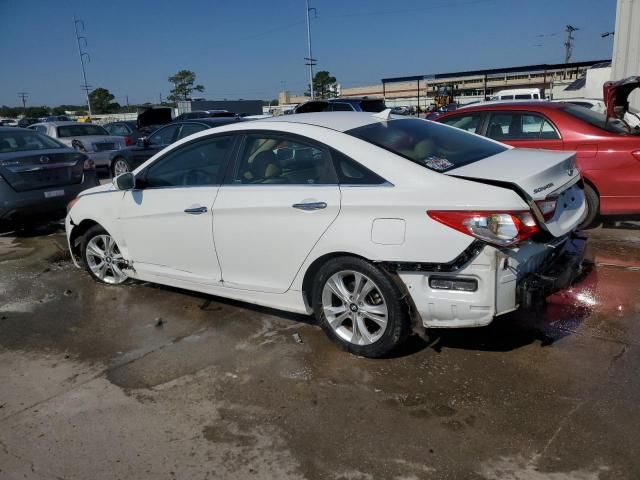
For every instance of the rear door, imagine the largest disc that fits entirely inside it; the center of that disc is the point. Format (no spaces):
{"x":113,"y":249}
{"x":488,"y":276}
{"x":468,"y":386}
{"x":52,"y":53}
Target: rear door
{"x":281,"y":197}
{"x":523,"y":129}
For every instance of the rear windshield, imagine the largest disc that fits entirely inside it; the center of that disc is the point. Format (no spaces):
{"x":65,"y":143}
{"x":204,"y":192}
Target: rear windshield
{"x":596,"y":119}
{"x":20,"y":141}
{"x":374,"y":106}
{"x":434,"y":146}
{"x":80,"y":131}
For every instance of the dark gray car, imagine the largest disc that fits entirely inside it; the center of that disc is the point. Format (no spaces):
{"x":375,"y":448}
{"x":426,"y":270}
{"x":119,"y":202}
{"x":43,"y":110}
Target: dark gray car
{"x":39,"y":176}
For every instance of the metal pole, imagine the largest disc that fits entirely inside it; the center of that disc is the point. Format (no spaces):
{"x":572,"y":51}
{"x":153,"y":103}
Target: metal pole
{"x":310,"y":59}
{"x":81,"y":54}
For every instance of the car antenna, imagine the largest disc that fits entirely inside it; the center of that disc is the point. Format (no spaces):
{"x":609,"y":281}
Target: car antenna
{"x":384,"y":115}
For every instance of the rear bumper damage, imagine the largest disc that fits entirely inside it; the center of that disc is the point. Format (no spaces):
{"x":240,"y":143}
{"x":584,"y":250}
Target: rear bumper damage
{"x":493,"y":282}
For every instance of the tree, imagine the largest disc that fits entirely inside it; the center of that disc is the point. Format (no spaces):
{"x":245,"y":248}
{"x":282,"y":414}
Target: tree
{"x":183,"y":85}
{"x":102,"y":101}
{"x":324,"y":85}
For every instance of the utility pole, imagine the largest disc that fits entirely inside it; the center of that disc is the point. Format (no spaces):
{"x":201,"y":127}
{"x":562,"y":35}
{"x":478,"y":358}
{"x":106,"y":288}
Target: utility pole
{"x":85,"y":86}
{"x":24,"y":96}
{"x":568,"y":45}
{"x":310,"y":60}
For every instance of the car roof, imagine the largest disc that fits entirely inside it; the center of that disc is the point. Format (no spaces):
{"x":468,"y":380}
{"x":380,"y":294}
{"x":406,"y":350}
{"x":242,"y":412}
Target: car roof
{"x":13,"y":129}
{"x":515,"y":105}
{"x":61,"y":124}
{"x":340,"y":121}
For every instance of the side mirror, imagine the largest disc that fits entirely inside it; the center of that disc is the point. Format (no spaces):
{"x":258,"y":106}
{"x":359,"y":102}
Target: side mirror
{"x":126,"y":181}
{"x":142,"y":142}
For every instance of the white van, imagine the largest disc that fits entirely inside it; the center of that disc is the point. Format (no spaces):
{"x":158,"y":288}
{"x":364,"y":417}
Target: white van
{"x":518,"y":94}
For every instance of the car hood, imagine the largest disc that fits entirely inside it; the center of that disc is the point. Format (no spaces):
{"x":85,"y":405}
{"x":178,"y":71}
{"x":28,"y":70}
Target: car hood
{"x":107,"y":187}
{"x":154,"y":116}
{"x":616,"y":95}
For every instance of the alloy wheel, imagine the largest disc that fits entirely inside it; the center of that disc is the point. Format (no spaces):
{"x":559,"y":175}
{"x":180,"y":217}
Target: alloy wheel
{"x":354,"y":307}
{"x":105,"y":260}
{"x":119,"y":167}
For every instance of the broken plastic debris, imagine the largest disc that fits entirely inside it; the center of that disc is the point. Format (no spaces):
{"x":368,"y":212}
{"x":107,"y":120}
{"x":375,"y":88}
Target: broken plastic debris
{"x":297,"y":337}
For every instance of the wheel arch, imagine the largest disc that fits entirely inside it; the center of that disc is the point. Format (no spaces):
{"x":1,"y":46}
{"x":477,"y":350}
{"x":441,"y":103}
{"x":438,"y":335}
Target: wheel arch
{"x":312,"y":269}
{"x":76,"y":235}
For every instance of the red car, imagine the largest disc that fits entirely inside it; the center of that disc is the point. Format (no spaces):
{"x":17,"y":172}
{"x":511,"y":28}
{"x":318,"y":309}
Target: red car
{"x":607,"y":152}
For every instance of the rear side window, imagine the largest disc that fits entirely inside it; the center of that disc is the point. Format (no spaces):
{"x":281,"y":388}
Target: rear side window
{"x":80,"y":131}
{"x":469,"y":123}
{"x":429,"y":144}
{"x":523,"y":96}
{"x":506,"y":97}
{"x":276,"y":159}
{"x":311,"y":107}
{"x":520,"y":126}
{"x":596,"y":119}
{"x":373,"y":106}
{"x":341,"y":107}
{"x":351,"y":172}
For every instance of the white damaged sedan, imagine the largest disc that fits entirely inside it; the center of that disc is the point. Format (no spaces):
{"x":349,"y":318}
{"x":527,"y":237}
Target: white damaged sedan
{"x":375,"y":224}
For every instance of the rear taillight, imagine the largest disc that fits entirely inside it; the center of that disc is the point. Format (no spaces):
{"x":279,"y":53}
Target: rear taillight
{"x":548,"y":207}
{"x":128,"y":142}
{"x":636,"y":154}
{"x":89,"y":164}
{"x":498,"y":228}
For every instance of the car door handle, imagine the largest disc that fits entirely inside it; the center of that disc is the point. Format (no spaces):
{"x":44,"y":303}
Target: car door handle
{"x":195,"y":210}
{"x":310,"y":206}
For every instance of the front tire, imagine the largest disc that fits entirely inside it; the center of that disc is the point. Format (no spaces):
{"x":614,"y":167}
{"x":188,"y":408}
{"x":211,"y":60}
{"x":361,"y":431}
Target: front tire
{"x":359,"y":307}
{"x":120,"y":166}
{"x":593,"y":207}
{"x":102,"y":258}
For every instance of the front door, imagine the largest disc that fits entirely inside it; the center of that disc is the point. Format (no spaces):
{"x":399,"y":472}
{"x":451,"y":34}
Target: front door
{"x":282,"y":197}
{"x":167,"y":223}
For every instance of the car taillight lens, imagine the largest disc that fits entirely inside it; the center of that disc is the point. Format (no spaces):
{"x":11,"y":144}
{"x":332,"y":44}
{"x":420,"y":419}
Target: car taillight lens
{"x":498,"y":228}
{"x":548,"y":207}
{"x":89,"y":164}
{"x":128,"y":142}
{"x":636,"y":154}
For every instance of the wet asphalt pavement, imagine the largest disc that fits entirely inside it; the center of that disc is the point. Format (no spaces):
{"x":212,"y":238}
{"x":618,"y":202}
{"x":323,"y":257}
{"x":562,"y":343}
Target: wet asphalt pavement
{"x":147,"y":382}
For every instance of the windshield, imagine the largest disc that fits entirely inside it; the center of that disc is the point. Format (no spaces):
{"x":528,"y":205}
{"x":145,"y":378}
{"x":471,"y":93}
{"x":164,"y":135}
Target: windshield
{"x":431,"y":145}
{"x":21,"y":141}
{"x":80,"y":131}
{"x":596,"y":119}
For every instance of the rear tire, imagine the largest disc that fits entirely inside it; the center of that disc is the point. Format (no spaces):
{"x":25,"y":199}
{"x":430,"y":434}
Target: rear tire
{"x":359,"y":307}
{"x":593,"y":208}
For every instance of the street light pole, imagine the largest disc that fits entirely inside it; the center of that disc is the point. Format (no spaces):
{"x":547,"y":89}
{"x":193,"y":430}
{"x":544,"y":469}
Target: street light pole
{"x":310,"y":60}
{"x":86,"y":87}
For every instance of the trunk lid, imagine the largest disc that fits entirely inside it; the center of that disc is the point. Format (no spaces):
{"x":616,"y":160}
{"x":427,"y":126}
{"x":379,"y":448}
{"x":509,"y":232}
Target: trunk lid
{"x":616,"y":95}
{"x":536,"y":175}
{"x":25,"y":171}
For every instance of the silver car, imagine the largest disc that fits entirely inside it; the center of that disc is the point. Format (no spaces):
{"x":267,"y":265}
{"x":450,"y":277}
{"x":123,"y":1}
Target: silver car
{"x":92,"y":140}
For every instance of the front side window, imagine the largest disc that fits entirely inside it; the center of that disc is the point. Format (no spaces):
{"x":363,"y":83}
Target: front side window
{"x":277,"y":159}
{"x":87,"y":130}
{"x":468,"y":123}
{"x":164,"y":136}
{"x":200,"y":163}
{"x":311,"y":107}
{"x":429,"y":144}
{"x":373,"y":106}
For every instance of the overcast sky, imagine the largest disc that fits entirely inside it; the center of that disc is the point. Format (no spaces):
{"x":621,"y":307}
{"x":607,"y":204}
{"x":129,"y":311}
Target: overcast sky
{"x":252,"y":49}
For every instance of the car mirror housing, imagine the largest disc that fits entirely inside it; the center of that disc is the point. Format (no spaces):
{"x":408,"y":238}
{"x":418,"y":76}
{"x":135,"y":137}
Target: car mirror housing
{"x":126,"y":181}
